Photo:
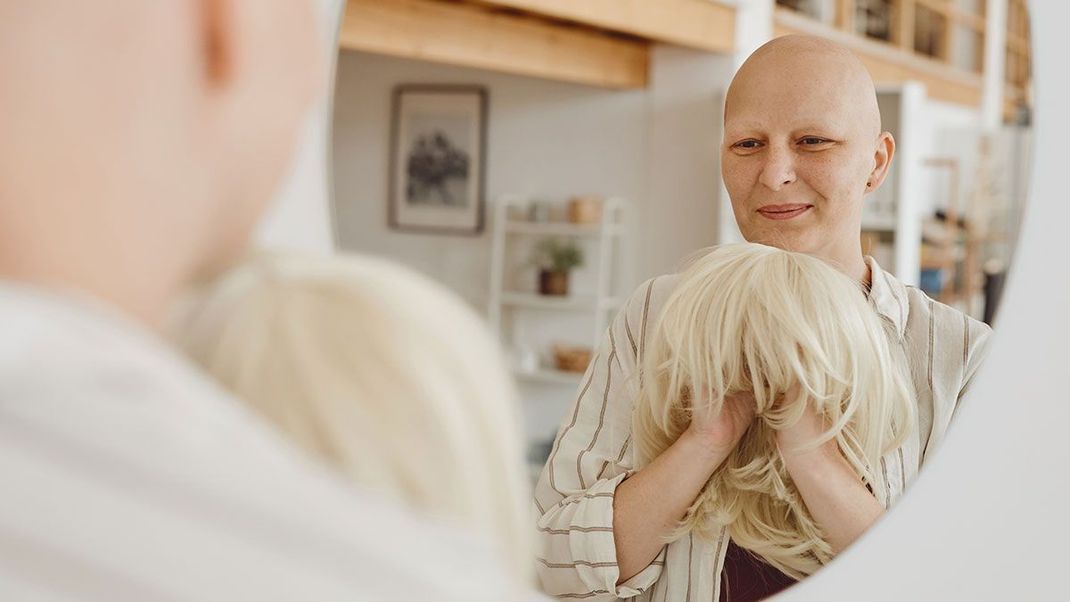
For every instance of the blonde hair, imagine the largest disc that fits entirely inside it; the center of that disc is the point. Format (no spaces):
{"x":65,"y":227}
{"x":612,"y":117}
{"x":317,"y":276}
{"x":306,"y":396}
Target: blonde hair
{"x":754,"y":318}
{"x":380,"y":372}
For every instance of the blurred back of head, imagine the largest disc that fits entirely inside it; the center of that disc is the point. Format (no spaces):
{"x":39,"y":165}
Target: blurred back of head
{"x":380,"y":372}
{"x":139,"y":141}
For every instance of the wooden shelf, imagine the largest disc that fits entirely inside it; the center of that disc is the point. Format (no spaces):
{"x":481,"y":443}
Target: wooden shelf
{"x":570,"y":303}
{"x":955,"y":13}
{"x":479,"y":36}
{"x":561,"y":229}
{"x":701,"y":24}
{"x":549,"y":376}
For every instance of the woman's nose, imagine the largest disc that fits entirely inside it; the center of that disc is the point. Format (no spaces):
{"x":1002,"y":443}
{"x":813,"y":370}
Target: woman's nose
{"x":779,"y":169}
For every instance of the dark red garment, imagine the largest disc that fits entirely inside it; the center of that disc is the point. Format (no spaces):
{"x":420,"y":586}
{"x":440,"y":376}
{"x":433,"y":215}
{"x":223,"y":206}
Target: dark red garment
{"x":747,"y":577}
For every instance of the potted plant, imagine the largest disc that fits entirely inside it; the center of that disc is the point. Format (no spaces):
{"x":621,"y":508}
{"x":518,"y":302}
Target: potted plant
{"x":555,"y":257}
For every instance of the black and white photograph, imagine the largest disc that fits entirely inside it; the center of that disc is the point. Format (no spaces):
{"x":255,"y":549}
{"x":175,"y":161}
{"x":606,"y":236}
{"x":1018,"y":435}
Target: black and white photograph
{"x":436,"y":170}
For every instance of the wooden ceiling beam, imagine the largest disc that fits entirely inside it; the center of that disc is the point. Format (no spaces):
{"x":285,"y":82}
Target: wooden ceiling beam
{"x":471,"y":35}
{"x":700,"y":24}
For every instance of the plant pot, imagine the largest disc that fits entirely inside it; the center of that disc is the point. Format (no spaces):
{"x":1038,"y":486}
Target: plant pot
{"x":553,"y":283}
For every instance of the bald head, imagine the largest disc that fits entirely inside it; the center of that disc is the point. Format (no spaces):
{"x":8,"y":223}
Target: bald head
{"x":813,"y":72}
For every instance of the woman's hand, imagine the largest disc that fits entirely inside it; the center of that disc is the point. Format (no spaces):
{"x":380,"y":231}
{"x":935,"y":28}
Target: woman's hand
{"x":721,"y":432}
{"x":835,"y":496}
{"x":795,"y":442}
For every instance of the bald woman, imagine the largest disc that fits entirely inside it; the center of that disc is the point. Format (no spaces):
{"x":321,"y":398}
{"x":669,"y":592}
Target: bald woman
{"x":803,"y":147}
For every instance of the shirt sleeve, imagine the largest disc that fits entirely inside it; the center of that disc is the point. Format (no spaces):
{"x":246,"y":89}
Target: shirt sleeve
{"x":955,"y":346}
{"x":976,"y":344}
{"x":577,"y":556}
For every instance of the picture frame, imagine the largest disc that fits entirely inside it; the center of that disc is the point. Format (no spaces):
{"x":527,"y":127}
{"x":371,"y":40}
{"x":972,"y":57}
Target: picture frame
{"x":437,"y":159}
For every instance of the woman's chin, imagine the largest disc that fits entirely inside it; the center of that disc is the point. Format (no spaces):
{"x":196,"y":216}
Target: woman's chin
{"x":786,"y":239}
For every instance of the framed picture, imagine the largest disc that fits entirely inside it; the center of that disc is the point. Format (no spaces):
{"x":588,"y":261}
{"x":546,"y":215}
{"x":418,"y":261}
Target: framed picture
{"x":437,"y":159}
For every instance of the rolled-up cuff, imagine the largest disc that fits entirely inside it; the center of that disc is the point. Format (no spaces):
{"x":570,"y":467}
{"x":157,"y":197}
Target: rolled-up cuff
{"x":579,"y":551}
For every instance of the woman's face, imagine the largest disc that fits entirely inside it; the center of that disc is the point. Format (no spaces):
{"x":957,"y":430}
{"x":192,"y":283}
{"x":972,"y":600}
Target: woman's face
{"x":799,"y":148}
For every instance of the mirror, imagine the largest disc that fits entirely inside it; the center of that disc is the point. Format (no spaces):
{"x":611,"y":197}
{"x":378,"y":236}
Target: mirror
{"x":544,"y":192}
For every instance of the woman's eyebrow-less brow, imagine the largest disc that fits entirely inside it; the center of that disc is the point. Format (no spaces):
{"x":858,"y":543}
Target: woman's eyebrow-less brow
{"x":741,"y":135}
{"x":816,"y":129}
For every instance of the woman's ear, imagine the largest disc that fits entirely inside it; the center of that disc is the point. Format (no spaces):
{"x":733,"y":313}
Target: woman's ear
{"x":882,"y":161}
{"x":218,"y":43}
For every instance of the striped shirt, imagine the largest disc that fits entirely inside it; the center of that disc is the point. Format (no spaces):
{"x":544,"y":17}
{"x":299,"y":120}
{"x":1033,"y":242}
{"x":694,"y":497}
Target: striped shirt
{"x":592,"y":453}
{"x":125,"y":475}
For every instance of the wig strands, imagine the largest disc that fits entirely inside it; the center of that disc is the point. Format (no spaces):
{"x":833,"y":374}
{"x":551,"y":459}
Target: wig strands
{"x":753,"y":318}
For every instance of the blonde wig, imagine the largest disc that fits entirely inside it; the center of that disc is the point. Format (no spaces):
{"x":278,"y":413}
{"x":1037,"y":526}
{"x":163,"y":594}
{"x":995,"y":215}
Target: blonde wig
{"x":754,"y":318}
{"x":380,"y":372}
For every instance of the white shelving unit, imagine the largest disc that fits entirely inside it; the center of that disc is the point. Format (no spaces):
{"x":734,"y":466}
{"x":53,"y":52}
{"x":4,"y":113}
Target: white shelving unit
{"x":536,"y":301}
{"x":894,"y":212}
{"x":507,"y":299}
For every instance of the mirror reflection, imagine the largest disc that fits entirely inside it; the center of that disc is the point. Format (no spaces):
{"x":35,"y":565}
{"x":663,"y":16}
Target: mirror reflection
{"x":683,"y":407}
{"x":740,"y":285}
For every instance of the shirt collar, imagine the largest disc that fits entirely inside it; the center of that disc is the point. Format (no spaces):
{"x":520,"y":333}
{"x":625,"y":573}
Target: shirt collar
{"x":888,"y":296}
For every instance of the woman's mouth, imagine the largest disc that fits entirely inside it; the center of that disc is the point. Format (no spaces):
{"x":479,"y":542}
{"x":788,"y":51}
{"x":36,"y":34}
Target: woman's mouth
{"x":782,"y":212}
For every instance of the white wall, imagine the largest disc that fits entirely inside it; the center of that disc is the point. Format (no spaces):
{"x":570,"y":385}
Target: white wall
{"x":679,"y":213}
